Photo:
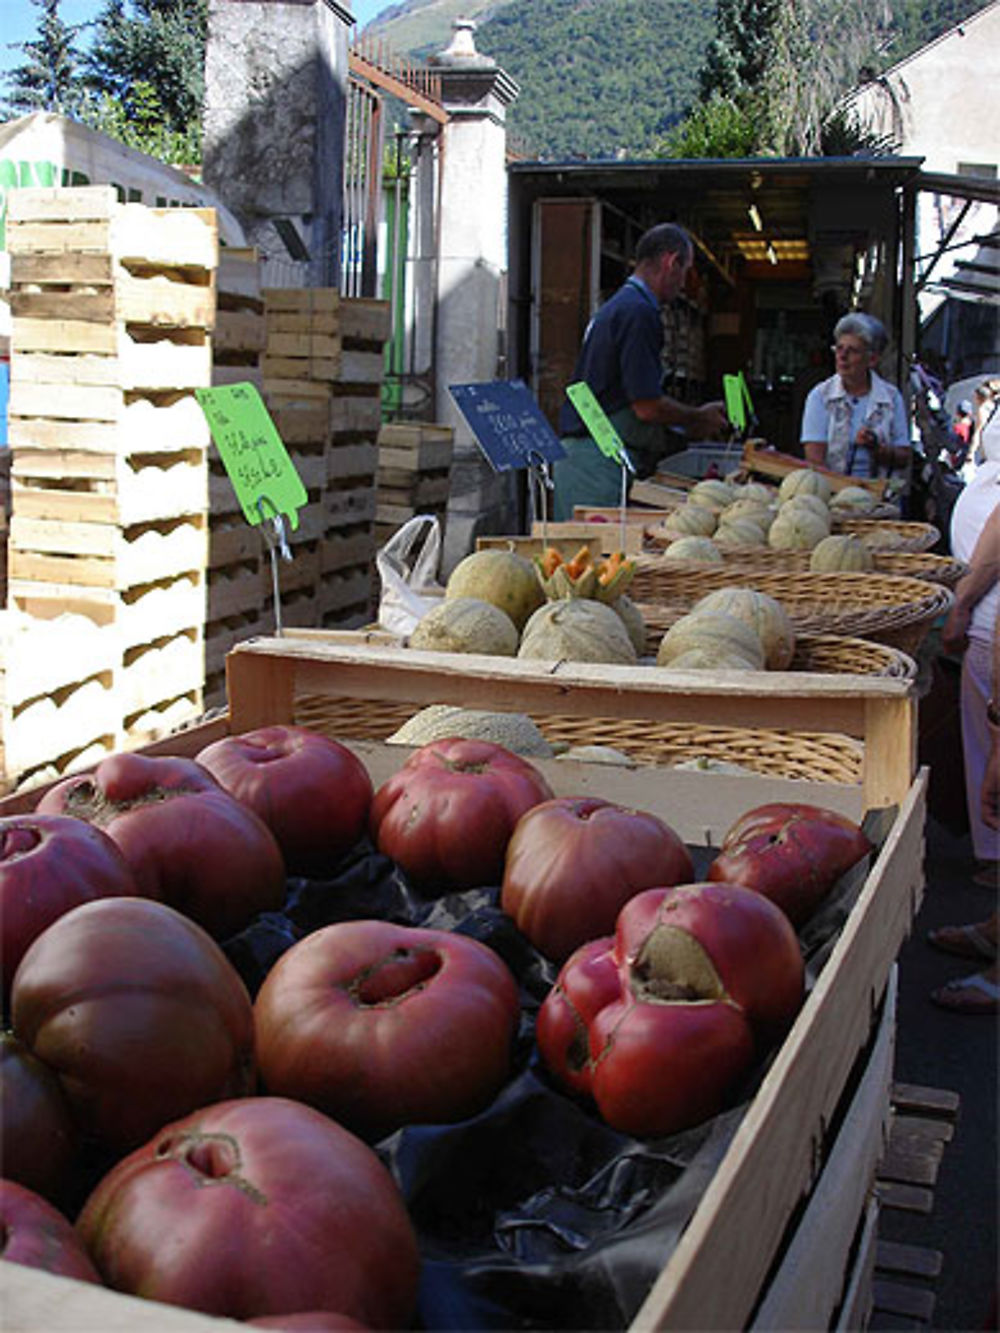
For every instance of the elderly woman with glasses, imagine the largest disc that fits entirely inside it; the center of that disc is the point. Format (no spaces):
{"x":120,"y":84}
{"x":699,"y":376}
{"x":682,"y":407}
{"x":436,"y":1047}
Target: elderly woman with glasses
{"x":855,"y":421}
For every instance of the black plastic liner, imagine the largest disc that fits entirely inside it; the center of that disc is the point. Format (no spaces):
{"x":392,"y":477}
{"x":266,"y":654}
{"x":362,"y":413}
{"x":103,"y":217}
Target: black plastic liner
{"x":533,"y":1214}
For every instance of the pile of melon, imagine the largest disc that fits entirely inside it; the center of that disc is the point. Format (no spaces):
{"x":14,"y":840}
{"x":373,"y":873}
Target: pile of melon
{"x":495,"y":602}
{"x":500,"y":603}
{"x":722,"y":516}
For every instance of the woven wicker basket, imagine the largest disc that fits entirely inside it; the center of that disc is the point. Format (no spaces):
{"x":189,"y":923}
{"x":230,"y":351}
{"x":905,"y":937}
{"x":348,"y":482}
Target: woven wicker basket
{"x":944,"y":569}
{"x":815,"y":757}
{"x":818,"y":654}
{"x":885,"y":607}
{"x":883,"y":535}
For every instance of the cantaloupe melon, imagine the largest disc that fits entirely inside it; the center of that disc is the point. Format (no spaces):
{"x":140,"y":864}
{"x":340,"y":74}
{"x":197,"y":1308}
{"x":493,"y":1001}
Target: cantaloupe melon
{"x":466,"y":625}
{"x":576,"y":630}
{"x":765,"y":616}
{"x":711,"y":630}
{"x":504,"y":578}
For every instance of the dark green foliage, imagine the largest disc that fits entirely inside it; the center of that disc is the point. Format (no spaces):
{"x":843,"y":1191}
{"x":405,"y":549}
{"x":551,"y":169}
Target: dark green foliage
{"x":917,"y":22}
{"x":48,"y":79}
{"x":156,"y":45}
{"x":599,"y":79}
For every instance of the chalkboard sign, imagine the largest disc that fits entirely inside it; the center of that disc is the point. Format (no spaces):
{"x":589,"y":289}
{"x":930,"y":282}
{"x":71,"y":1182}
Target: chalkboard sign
{"x":507,"y":423}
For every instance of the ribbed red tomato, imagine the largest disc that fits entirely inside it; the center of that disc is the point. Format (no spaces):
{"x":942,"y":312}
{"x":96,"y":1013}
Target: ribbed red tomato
{"x":259,"y":1206}
{"x":189,"y":843}
{"x":574,"y":862}
{"x":447,"y":815}
{"x":38,"y":1140}
{"x":381,"y":1025}
{"x":658,"y":1022}
{"x":139,"y":1014}
{"x":791,"y":853}
{"x":313,"y":793}
{"x":34,"y":1233}
{"x":48,"y":864}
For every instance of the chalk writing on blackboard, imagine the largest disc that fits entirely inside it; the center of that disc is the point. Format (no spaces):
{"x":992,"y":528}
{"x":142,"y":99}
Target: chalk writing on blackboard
{"x":508,"y":424}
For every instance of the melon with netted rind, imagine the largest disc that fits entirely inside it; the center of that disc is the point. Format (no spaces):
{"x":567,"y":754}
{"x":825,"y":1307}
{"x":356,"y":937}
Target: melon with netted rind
{"x":504,"y":578}
{"x":797,"y":529}
{"x":710,"y":658}
{"x":633,"y":620}
{"x":840,"y":551}
{"x":743,"y":531}
{"x":763,"y":613}
{"x":712,"y":492}
{"x":577,"y":630}
{"x":854,"y":499}
{"x":805,"y":481}
{"x":690,"y":520}
{"x":811,"y":502}
{"x":466,"y":625}
{"x":715,"y":630}
{"x":703,"y":550}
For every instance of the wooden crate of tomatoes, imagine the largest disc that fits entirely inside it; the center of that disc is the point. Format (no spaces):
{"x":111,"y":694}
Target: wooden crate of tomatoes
{"x":310,"y":1033}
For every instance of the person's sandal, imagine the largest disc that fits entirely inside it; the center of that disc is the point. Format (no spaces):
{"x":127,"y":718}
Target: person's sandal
{"x":963,"y":941}
{"x":976,"y":994}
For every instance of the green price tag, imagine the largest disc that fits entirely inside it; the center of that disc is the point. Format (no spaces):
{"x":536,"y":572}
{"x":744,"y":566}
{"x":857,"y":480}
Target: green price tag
{"x":593,"y":416}
{"x":739,"y":408}
{"x":252,"y":452}
{"x":735,"y":406}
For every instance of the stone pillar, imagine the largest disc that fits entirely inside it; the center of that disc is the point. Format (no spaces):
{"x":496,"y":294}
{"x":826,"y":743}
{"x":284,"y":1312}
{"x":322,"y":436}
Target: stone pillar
{"x":273,"y":126}
{"x":472,"y":264}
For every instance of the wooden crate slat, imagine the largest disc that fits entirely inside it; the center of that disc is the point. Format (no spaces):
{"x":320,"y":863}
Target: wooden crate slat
{"x":301,"y":300}
{"x":167,"y":607}
{"x":366,"y":320}
{"x":908,"y":1260}
{"x":141,"y":427}
{"x":352,"y":460}
{"x":295,"y":368}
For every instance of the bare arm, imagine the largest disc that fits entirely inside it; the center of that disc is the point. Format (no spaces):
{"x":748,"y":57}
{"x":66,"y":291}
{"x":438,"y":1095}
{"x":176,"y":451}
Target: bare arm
{"x":815,"y":452}
{"x":700,"y":422}
{"x":983,"y":572}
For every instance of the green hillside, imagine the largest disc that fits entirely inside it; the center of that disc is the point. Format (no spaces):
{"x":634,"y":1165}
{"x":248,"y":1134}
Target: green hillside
{"x":606,"y":78}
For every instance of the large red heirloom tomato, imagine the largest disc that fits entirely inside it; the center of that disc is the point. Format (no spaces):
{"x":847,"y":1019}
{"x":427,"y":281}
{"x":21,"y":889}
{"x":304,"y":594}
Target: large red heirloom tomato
{"x":189,"y":843}
{"x":312,"y":792}
{"x":260,"y":1206}
{"x":48,"y":864}
{"x":382,"y":1025}
{"x":447,"y":815}
{"x":791,"y":853}
{"x":574,"y":862}
{"x":34,"y":1233}
{"x":658,"y":1023}
{"x":38,"y":1140}
{"x":138,"y":1012}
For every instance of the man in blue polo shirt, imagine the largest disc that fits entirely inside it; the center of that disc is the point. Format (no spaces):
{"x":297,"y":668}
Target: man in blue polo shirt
{"x":621,"y":362}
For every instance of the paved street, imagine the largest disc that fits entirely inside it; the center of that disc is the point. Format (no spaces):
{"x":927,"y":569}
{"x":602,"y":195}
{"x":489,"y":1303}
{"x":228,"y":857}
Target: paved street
{"x":936,"y":1048}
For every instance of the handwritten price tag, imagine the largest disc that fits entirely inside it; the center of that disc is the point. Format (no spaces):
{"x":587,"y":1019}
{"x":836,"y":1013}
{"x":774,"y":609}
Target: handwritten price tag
{"x":252,"y":452}
{"x":593,"y":416}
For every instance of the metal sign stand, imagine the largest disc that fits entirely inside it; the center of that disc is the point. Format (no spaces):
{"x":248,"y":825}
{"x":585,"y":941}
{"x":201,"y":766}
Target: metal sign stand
{"x":273,"y":528}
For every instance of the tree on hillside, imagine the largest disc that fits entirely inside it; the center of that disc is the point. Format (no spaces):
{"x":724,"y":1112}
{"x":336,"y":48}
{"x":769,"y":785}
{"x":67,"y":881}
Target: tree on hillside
{"x":48,"y":79}
{"x":776,"y":70}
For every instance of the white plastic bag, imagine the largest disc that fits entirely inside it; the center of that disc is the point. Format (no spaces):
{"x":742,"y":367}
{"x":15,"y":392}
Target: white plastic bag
{"x":408,"y":573}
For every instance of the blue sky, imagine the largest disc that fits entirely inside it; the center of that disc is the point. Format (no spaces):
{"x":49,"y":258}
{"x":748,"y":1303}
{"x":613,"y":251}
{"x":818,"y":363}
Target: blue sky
{"x":19,"y":21}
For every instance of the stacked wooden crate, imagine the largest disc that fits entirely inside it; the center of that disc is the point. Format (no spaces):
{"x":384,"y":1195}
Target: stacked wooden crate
{"x":322,"y":376}
{"x":112,"y":309}
{"x":238,"y":337}
{"x":348,"y":580}
{"x":236,"y":555}
{"x":414,"y":473}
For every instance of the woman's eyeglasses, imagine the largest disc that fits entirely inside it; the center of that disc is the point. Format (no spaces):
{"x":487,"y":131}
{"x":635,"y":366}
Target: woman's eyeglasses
{"x":838,"y":350}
